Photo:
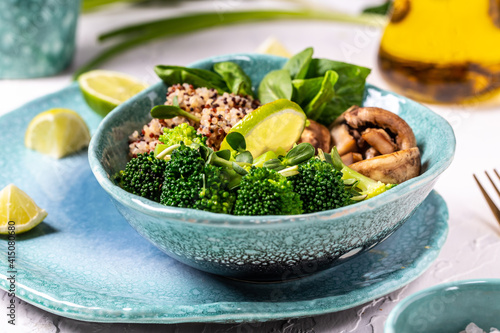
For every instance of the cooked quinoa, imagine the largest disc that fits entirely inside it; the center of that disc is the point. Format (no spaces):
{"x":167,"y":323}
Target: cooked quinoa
{"x":218,"y":114}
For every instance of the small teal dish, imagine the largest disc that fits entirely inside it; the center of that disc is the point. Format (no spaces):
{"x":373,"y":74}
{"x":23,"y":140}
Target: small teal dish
{"x":448,"y":307}
{"x":37,"y":37}
{"x":268,"y":248}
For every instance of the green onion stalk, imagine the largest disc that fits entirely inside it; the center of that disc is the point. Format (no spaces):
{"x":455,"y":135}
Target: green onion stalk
{"x":134,"y":35}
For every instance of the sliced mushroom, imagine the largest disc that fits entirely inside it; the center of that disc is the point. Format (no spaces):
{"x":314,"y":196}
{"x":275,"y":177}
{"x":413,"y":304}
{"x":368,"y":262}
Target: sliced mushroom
{"x":362,"y":145}
{"x":341,"y":137}
{"x":380,"y":140}
{"x":384,"y":139}
{"x":392,"y":168}
{"x":317,"y":135}
{"x":371,"y":153}
{"x":351,"y":158}
{"x":357,"y":117}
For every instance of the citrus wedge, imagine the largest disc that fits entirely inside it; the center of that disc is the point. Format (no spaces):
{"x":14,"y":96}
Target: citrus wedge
{"x":273,"y":46}
{"x":105,"y":90}
{"x":272,"y":127}
{"x":19,"y":209}
{"x":57,"y":133}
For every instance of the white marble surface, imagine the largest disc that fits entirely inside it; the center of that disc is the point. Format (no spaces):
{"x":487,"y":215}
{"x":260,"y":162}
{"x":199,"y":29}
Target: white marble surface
{"x":473,"y":246}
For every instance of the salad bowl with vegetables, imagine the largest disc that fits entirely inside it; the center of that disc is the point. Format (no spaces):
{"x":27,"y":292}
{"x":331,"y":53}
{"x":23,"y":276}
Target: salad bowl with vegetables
{"x":264,"y":168}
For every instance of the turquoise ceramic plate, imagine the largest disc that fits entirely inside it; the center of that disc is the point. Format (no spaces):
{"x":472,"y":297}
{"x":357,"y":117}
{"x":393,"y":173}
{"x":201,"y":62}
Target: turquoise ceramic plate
{"x":86,"y":262}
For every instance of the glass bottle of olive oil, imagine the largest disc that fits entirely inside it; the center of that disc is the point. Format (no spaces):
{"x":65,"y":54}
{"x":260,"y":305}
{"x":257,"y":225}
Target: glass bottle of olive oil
{"x":443,"y":51}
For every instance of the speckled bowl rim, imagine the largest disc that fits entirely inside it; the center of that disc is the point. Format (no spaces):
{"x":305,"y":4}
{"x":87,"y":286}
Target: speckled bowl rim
{"x":401,"y":306}
{"x":196,"y":216}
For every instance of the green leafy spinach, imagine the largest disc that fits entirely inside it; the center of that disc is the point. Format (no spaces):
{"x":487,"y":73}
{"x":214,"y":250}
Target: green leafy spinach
{"x":197,"y":77}
{"x":323,"y":88}
{"x":275,"y":85}
{"x":298,"y":65}
{"x":236,"y":79}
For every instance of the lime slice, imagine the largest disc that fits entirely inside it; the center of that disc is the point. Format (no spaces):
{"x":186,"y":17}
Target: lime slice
{"x":273,"y":126}
{"x":57,"y":133}
{"x":274,"y":47}
{"x":19,"y":209}
{"x":105,"y":90}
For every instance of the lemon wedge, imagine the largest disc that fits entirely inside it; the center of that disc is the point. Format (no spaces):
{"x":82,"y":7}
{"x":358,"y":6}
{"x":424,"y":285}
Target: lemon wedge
{"x":104,"y":90}
{"x":272,"y":127}
{"x":19,"y":210}
{"x":274,"y":47}
{"x":57,"y":133}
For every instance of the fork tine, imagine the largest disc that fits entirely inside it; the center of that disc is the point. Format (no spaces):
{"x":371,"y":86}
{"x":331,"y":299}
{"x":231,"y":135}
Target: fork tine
{"x":492,"y":183}
{"x":490,"y":202}
{"x":496,"y":173}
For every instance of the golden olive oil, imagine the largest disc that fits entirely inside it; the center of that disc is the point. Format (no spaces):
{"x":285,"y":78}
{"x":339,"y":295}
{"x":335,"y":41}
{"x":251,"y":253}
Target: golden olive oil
{"x":442,"y":50}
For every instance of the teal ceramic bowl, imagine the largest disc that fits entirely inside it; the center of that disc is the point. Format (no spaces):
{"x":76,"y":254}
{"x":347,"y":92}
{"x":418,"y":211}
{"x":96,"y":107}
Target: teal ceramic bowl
{"x":37,"y":37}
{"x":268,"y":247}
{"x":449,"y":308}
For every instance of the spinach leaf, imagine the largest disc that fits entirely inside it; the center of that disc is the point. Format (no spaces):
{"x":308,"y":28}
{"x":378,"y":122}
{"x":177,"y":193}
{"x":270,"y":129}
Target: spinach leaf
{"x":236,"y":79}
{"x":349,"y":89}
{"x":299,"y":64}
{"x":319,"y":67}
{"x":305,"y":90}
{"x":197,"y":77}
{"x":333,"y":109}
{"x":275,"y":85}
{"x":171,"y":111}
{"x":315,"y":107}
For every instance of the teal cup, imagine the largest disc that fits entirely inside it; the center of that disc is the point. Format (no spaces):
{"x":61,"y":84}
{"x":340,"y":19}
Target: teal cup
{"x":37,"y":37}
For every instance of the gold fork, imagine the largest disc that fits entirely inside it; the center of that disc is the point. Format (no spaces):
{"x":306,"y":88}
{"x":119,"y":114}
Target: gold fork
{"x":490,"y":202}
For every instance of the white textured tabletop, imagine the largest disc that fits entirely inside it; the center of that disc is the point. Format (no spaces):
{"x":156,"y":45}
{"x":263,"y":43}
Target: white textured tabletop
{"x":473,"y":246}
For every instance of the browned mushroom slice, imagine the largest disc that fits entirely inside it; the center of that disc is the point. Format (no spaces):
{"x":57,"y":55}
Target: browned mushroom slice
{"x":351,"y":158}
{"x":317,"y":135}
{"x":380,"y":140}
{"x":371,"y":153}
{"x":343,"y":139}
{"x":392,"y":168}
{"x":357,"y":117}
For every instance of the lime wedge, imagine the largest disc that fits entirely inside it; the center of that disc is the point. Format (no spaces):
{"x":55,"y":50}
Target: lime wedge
{"x":272,"y":127}
{"x":19,"y":209}
{"x":57,"y":133}
{"x":105,"y":90}
{"x":273,"y":46}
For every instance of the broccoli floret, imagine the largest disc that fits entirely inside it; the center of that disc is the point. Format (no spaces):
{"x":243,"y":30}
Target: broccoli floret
{"x":143,"y":175}
{"x":189,"y":183}
{"x":320,"y":186}
{"x":367,"y":186}
{"x":266,"y":192}
{"x":181,"y":133}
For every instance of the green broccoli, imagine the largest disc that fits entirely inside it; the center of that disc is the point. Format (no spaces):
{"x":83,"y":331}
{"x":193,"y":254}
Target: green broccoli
{"x":181,"y":133}
{"x":368,"y":187}
{"x":189,"y":183}
{"x":143,"y":175}
{"x":266,"y":192}
{"x":320,"y":186}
